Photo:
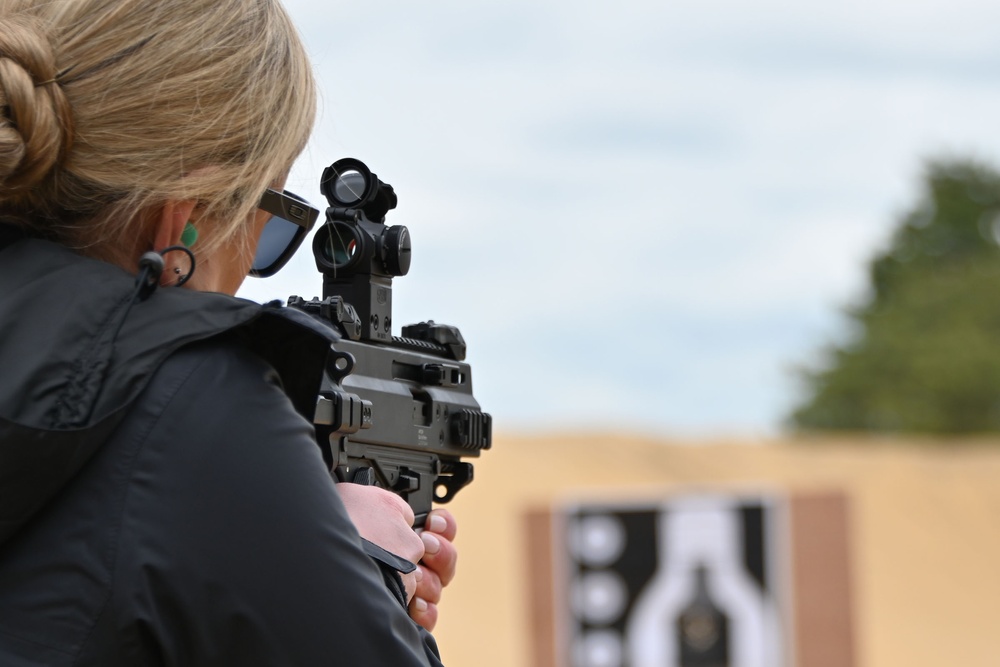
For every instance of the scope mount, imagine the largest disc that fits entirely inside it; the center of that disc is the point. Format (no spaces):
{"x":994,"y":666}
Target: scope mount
{"x":355,"y":251}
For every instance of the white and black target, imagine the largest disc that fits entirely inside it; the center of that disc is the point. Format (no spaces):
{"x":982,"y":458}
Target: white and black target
{"x":689,"y":583}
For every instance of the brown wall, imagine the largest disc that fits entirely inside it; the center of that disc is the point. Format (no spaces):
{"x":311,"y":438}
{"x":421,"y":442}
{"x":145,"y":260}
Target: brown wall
{"x":925,"y":558}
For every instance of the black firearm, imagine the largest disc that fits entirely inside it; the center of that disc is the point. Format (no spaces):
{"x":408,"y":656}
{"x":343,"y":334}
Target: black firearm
{"x":394,"y":411}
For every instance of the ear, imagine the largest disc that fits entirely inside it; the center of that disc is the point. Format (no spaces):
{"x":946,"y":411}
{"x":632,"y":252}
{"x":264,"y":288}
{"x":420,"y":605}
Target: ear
{"x":170,"y":225}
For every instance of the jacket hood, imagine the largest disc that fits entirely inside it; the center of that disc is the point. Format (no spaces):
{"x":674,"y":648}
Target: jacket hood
{"x":75,"y":353}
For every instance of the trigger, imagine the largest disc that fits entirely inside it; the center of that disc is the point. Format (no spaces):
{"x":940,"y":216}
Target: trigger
{"x":364,"y":476}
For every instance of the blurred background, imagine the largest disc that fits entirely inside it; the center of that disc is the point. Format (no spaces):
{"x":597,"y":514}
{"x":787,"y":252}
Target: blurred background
{"x":709,"y":246}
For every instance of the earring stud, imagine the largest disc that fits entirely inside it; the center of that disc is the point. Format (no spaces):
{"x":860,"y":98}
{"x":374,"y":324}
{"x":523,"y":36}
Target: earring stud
{"x":189,"y":235}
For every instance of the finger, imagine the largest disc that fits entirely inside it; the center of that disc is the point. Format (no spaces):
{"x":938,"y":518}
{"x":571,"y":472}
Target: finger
{"x":429,"y":586}
{"x":425,"y":613}
{"x":409,"y":584}
{"x":440,"y":556}
{"x":441,"y":521}
{"x":398,"y":504}
{"x":410,"y":546}
{"x":380,"y":516}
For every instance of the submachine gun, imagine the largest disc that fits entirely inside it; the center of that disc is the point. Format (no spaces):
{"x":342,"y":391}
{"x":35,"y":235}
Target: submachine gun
{"x":394,"y":411}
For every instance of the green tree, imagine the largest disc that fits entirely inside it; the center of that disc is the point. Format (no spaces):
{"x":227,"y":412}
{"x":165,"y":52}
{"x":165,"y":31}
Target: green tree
{"x":925,"y":354}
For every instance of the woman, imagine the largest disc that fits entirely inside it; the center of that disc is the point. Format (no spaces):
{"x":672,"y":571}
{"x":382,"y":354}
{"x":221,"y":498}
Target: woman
{"x":162,"y":500}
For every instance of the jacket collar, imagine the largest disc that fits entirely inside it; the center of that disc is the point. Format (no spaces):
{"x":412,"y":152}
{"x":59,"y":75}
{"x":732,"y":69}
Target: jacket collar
{"x":70,"y":373}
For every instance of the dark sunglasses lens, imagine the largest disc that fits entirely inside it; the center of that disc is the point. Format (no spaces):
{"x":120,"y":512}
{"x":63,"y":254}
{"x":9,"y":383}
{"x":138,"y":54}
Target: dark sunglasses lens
{"x":277,"y":236}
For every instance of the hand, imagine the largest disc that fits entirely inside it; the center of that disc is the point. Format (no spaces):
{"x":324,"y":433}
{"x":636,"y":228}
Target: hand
{"x":437,"y":567}
{"x":384,"y":518}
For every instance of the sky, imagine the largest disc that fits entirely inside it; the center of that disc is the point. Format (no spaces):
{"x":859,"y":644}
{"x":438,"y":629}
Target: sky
{"x":643,"y":216}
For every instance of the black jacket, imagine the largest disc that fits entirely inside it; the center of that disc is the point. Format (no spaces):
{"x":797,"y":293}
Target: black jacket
{"x":162,"y":499}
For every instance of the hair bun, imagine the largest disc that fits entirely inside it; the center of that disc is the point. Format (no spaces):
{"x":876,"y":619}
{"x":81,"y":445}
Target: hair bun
{"x":36,"y":126}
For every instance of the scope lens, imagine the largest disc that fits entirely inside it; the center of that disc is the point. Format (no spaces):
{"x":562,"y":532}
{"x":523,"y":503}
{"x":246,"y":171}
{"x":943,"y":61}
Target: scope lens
{"x":349,"y":187}
{"x":339,"y":246}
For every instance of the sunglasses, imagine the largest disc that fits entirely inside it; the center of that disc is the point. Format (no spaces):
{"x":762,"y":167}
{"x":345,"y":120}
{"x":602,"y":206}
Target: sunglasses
{"x":291,"y":219}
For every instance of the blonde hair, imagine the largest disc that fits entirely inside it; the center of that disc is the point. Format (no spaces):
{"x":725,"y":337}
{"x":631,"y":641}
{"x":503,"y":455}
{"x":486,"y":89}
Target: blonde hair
{"x":112,"y":107}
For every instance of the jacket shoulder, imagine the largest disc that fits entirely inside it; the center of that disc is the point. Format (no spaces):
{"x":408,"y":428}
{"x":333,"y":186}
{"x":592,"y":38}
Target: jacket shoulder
{"x":254,"y":544}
